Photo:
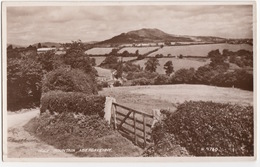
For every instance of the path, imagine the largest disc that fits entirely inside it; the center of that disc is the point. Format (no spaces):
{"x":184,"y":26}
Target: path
{"x":21,"y":144}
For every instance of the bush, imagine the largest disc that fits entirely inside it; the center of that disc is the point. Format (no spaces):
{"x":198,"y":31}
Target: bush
{"x":143,"y":74}
{"x":117,"y":83}
{"x":212,"y":129}
{"x":60,"y":102}
{"x":102,"y":84}
{"x":161,"y":79}
{"x":66,"y":80}
{"x":142,"y":81}
{"x":184,"y":76}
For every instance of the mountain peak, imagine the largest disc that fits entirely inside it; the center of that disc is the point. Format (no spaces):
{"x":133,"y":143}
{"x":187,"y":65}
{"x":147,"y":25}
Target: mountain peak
{"x":148,"y":32}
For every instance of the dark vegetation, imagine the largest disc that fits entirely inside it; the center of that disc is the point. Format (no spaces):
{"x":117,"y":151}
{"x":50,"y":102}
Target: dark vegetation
{"x":78,"y":134}
{"x":216,"y":73}
{"x":209,"y":129}
{"x":26,"y":70}
{"x":75,"y":102}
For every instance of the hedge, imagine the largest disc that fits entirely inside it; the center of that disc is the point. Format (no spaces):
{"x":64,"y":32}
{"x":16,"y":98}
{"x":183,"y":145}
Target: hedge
{"x":212,"y":129}
{"x":61,"y":102}
{"x":69,"y":80}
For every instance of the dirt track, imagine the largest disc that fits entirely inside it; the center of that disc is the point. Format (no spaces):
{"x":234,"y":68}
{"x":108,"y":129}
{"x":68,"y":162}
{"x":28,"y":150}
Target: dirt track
{"x":20,"y":144}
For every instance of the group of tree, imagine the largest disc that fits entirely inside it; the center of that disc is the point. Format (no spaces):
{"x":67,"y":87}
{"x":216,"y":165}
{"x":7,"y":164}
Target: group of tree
{"x":26,"y":70}
{"x":217,"y":72}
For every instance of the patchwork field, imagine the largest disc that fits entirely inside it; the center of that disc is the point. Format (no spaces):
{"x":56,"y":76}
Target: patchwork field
{"x":177,"y":63}
{"x":142,"y":50}
{"x":98,"y":51}
{"x":198,"y":50}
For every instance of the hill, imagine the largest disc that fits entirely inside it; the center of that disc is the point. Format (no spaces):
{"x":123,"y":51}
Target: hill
{"x":145,"y":35}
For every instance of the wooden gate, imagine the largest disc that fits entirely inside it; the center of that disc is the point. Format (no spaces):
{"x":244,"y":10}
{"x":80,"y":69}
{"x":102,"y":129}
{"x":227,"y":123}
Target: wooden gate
{"x":133,"y":124}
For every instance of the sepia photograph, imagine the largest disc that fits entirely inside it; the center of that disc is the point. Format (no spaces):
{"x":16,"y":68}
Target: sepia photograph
{"x":139,"y":80}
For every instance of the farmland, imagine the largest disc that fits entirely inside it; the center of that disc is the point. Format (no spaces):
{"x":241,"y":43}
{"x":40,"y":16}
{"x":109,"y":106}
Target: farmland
{"x":141,"y":50}
{"x":198,"y":50}
{"x":98,"y":51}
{"x":177,"y":63}
{"x":146,"y":98}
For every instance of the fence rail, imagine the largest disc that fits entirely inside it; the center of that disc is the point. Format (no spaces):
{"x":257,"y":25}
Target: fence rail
{"x":128,"y":123}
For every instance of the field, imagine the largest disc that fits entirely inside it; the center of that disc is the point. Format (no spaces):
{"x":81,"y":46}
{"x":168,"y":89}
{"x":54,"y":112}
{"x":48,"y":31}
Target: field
{"x":99,"y":59}
{"x":98,"y":51}
{"x":177,"y":63}
{"x":146,"y":98}
{"x":142,"y":50}
{"x":198,"y":50}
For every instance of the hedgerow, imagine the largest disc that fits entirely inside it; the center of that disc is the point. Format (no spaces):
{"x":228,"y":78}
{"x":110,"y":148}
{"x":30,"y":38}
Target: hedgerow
{"x":211,"y":129}
{"x":66,"y":102}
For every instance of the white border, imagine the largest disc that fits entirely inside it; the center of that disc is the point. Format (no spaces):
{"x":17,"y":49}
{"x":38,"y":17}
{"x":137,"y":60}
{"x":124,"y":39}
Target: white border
{"x":195,"y":159}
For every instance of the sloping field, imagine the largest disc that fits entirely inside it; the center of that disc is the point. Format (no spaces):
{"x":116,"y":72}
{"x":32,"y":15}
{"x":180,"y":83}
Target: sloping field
{"x":99,"y":59}
{"x":177,"y":63}
{"x":198,"y":50}
{"x":142,"y":50}
{"x":183,"y":92}
{"x":107,"y":73}
{"x":98,"y":51}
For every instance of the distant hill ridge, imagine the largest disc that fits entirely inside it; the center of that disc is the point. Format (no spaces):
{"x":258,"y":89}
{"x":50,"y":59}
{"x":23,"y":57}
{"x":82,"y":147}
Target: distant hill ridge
{"x":152,"y":35}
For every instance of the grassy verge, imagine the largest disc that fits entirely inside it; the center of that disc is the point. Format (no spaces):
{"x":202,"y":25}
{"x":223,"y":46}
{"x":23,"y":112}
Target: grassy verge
{"x":83,"y":136}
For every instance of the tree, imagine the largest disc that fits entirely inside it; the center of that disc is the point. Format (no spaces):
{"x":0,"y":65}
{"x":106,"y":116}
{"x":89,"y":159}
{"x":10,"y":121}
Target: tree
{"x":110,"y":62}
{"x":137,"y":52}
{"x":10,"y":47}
{"x":152,"y":64}
{"x":76,"y":58}
{"x":184,"y":76}
{"x":24,"y":78}
{"x":168,"y":66}
{"x":47,"y":60}
{"x":39,"y":45}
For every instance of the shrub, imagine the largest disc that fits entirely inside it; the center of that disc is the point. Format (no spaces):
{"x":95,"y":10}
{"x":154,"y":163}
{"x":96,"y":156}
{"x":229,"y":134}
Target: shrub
{"x":66,"y":80}
{"x":142,"y":81}
{"x":102,"y":84}
{"x":117,"y":83}
{"x":60,"y":102}
{"x":184,"y":76}
{"x":161,"y":79}
{"x":143,"y":74}
{"x":212,"y":129}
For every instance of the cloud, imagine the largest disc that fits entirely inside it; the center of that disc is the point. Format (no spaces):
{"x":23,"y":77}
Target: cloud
{"x":27,"y":25}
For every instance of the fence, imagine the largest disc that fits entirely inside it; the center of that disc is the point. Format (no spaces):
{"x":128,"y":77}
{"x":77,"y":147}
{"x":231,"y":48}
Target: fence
{"x":133,"y":124}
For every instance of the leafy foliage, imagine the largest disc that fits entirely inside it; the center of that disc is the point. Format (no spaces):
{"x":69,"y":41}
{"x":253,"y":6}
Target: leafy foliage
{"x":66,"y":102}
{"x":23,"y":83}
{"x":152,"y":64}
{"x":184,"y":76}
{"x":168,"y":66}
{"x":212,"y":129}
{"x":69,"y":80}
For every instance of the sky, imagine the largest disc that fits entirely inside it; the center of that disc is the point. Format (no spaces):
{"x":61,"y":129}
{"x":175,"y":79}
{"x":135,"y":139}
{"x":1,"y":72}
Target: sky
{"x":28,"y":25}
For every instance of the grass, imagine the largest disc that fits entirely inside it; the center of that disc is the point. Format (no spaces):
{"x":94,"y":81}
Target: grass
{"x":199,"y":50}
{"x":81,"y":137}
{"x":146,"y":98}
{"x":98,"y":51}
{"x":177,"y":63}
